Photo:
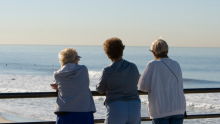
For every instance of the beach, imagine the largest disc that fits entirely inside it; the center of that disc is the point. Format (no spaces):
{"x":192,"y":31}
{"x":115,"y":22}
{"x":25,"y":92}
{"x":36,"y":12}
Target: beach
{"x":2,"y":120}
{"x":11,"y":118}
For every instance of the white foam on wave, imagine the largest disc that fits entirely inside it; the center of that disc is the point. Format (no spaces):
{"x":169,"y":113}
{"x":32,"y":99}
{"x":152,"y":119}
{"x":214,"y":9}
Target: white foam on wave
{"x":25,"y":83}
{"x":39,"y":108}
{"x":94,"y":74}
{"x":203,"y":105}
{"x":35,"y":83}
{"x":201,"y":101}
{"x":101,"y":98}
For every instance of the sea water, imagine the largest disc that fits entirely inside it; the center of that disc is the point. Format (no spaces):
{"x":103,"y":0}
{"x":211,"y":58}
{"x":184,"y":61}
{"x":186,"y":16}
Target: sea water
{"x":29,"y":68}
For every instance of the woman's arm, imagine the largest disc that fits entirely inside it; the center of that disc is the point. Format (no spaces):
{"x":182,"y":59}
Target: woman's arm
{"x":101,"y":87}
{"x":144,"y":83}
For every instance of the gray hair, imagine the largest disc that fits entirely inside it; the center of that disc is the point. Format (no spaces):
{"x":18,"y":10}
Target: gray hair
{"x":68,"y":55}
{"x":160,"y":48}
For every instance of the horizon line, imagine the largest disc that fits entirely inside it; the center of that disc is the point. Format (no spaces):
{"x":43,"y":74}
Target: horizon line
{"x":101,"y":45}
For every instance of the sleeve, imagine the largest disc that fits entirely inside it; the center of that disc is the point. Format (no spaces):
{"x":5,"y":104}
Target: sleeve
{"x":87,"y":74}
{"x":88,"y":78}
{"x":137,"y":74}
{"x":180,"y":75}
{"x":144,"y":83}
{"x":101,"y":87}
{"x":54,"y":79}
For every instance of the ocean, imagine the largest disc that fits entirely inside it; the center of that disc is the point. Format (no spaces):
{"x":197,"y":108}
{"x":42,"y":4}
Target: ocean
{"x":29,"y":68}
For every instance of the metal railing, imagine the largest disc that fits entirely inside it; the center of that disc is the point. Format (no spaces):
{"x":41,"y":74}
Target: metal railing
{"x":94,"y":93}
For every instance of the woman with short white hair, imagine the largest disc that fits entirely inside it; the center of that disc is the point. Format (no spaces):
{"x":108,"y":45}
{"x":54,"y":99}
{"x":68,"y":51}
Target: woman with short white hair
{"x":162,"y":79}
{"x":75,"y":103}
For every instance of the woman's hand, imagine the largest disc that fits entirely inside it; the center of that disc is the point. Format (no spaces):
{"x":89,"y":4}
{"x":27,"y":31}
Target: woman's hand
{"x":54,"y":86}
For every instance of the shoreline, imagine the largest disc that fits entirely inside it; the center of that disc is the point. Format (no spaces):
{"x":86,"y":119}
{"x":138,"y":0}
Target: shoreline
{"x":10,"y":118}
{"x":3,"y":120}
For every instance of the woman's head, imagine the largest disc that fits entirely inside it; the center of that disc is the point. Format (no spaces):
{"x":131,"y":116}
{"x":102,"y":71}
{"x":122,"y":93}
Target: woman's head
{"x":114,"y":48}
{"x":160,"y":48}
{"x":68,"y":55}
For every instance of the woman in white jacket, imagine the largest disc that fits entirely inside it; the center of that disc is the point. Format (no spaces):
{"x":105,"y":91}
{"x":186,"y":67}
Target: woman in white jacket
{"x":162,"y":79}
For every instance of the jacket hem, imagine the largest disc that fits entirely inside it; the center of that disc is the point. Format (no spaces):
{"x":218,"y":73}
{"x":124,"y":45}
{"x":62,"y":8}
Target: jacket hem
{"x":106,"y":103}
{"x":167,"y":114}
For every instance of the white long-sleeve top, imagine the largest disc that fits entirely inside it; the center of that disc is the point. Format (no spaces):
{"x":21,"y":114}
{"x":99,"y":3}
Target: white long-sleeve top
{"x":165,"y":91}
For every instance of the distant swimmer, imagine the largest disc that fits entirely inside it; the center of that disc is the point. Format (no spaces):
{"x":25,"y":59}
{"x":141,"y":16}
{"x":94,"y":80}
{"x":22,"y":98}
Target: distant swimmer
{"x":6,"y":65}
{"x":13,"y":79}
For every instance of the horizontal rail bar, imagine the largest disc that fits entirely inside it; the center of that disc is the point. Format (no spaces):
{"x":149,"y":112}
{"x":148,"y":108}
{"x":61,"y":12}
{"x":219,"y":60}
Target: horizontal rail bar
{"x":28,"y":95}
{"x":142,"y":119}
{"x":202,"y":90}
{"x":94,"y":93}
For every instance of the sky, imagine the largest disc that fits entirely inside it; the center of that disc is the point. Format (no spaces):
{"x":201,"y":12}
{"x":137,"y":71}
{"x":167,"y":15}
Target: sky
{"x":182,"y":23}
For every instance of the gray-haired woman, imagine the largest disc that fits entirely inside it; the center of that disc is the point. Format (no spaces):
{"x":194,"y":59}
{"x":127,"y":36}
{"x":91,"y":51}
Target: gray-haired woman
{"x":75,"y":103}
{"x":162,"y":79}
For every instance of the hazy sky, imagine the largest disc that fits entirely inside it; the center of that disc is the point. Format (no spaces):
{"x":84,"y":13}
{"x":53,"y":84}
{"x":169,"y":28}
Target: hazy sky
{"x":191,"y":23}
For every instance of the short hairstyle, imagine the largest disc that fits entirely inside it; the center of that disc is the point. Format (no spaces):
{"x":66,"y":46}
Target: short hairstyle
{"x":114,"y":48}
{"x":68,"y":55}
{"x":160,"y":48}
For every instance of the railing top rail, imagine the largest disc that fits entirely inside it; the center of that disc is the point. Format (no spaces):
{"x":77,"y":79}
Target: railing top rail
{"x":94,"y":93}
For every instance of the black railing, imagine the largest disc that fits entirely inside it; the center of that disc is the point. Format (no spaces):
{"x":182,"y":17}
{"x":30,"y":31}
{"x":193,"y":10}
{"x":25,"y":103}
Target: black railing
{"x":94,"y":93}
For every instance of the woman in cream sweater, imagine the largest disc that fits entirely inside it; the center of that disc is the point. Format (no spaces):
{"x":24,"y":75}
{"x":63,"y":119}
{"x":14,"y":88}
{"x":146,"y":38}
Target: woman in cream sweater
{"x":162,"y":79}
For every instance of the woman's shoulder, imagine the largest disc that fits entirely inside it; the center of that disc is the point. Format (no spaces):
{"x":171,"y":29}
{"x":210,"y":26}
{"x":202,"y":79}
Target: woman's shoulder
{"x":131,"y":63}
{"x":170,"y":61}
{"x":81,"y":67}
{"x":71,"y":67}
{"x":167,"y":60}
{"x":153,"y":62}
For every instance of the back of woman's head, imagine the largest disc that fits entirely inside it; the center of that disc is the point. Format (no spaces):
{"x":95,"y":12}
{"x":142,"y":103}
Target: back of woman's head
{"x":160,"y":48}
{"x":68,"y":55}
{"x":114,"y":48}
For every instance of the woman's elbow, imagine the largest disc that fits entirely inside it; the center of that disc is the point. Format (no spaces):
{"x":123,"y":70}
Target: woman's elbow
{"x":100,"y":91}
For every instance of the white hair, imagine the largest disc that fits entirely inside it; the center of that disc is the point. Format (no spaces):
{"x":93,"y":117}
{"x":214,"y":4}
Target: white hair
{"x":68,"y":55}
